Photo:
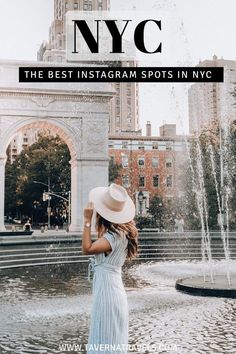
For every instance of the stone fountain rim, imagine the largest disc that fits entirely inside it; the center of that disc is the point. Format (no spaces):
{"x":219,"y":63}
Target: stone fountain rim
{"x":195,"y":286}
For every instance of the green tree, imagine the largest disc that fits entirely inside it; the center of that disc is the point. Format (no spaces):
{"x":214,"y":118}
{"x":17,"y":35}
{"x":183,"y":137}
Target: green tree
{"x":157,"y":210}
{"x":10,"y":189}
{"x":143,"y":222}
{"x":45,"y":161}
{"x":208,"y":160}
{"x":114,"y":171}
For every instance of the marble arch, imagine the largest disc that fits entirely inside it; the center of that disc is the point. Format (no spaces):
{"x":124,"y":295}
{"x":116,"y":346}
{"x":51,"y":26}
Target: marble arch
{"x":78,"y":113}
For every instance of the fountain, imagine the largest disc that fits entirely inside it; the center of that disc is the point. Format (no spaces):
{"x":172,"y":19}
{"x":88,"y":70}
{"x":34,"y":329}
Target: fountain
{"x":220,"y":285}
{"x":46,"y":308}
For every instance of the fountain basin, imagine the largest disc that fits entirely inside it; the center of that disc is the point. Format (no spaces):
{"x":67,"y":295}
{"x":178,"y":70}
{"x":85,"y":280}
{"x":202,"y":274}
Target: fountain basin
{"x":197,"y":286}
{"x":16,"y":233}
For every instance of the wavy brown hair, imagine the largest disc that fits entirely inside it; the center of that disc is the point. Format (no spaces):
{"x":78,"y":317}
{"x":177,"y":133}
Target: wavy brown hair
{"x":131,"y":233}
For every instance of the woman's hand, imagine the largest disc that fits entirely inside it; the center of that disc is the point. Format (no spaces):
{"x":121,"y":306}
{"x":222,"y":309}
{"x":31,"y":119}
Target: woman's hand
{"x":88,"y":212}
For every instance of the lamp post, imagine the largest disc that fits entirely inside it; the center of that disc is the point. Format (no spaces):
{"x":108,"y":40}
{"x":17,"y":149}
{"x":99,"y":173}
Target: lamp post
{"x":49,"y":199}
{"x":66,"y":199}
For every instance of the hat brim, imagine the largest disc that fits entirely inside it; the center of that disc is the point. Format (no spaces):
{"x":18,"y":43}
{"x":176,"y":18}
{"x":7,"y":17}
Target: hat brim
{"x":117,"y":217}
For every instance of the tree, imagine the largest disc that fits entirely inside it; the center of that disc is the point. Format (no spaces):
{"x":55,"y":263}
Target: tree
{"x":114,"y":171}
{"x":10,"y":189}
{"x":157,"y":211}
{"x":46,"y":161}
{"x":209,"y":161}
{"x":143,"y":222}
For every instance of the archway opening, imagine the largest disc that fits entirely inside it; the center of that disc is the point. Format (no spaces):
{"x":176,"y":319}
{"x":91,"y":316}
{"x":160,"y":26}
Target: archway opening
{"x":38,"y":177}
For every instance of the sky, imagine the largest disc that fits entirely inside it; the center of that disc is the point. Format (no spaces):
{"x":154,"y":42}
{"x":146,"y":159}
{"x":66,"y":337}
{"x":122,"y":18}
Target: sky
{"x":199,"y":29}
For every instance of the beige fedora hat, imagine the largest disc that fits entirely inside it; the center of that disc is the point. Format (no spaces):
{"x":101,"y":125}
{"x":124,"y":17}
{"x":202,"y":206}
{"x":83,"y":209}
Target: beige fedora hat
{"x":113,"y":203}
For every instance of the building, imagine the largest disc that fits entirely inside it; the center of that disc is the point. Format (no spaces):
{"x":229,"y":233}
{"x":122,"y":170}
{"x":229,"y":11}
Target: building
{"x":168,"y":130}
{"x":124,"y":107}
{"x":212,"y":101}
{"x":150,"y":165}
{"x":22,"y":140}
{"x":55,"y":49}
{"x":148,"y":129}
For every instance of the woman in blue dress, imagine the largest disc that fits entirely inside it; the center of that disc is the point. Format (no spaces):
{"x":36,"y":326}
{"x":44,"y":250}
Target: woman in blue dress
{"x":117,"y":241}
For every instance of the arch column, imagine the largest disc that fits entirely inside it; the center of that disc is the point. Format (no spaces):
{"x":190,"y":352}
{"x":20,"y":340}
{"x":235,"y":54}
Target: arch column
{"x":3,"y":160}
{"x":85,"y":175}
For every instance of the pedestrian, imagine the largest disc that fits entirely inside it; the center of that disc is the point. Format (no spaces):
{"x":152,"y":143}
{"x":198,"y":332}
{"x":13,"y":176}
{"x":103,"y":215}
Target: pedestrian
{"x":27,"y":226}
{"x":179,"y":224}
{"x":117,"y":240}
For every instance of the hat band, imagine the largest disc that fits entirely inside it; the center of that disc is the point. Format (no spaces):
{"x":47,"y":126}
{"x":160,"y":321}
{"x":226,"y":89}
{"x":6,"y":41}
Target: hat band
{"x":111,"y":203}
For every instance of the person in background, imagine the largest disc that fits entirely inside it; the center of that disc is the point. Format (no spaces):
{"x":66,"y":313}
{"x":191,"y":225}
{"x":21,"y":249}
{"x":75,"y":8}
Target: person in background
{"x":27,"y":226}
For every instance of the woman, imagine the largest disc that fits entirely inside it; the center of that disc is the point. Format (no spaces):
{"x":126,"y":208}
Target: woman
{"x":117,"y":240}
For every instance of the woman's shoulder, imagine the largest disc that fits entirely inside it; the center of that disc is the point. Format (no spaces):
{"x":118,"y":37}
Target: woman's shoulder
{"x":115,"y":237}
{"x":110,"y":237}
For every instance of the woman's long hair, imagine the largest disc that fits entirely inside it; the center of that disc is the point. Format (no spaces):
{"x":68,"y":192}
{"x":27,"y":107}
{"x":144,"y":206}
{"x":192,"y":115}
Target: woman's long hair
{"x":129,"y":228}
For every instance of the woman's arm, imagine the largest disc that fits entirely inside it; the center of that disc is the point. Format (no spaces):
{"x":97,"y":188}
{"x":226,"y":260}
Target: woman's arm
{"x":89,"y":247}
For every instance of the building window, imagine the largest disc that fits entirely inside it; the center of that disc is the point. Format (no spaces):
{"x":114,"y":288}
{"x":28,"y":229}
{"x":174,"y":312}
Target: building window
{"x":169,"y":146}
{"x":124,"y":161}
{"x":66,"y":5}
{"x":25,"y":140}
{"x":125,"y":181}
{"x":76,"y":5}
{"x":124,"y":144}
{"x":141,"y":145}
{"x":111,"y":144}
{"x":169,"y":162}
{"x":155,"y":181}
{"x":141,"y":181}
{"x":141,"y":161}
{"x":155,"y":145}
{"x":155,"y":161}
{"x":169,"y":181}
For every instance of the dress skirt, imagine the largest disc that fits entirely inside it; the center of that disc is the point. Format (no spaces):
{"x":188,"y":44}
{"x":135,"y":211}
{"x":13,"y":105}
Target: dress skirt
{"x":109,"y":317}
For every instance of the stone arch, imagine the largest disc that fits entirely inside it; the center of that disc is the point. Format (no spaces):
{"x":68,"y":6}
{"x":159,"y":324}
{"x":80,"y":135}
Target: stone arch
{"x":67,"y":134}
{"x":58,"y":127}
{"x":73,"y":111}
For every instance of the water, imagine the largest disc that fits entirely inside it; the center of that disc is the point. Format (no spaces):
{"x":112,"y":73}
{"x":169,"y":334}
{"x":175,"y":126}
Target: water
{"x":44,"y":307}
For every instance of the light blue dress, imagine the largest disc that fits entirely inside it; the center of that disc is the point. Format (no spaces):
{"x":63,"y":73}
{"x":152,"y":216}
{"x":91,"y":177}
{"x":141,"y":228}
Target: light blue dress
{"x":108,"y":332}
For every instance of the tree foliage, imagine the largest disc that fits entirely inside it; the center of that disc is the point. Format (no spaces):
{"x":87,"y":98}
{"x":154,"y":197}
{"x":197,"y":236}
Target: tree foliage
{"x":46,"y":161}
{"x":114,"y":171}
{"x":210,"y":163}
{"x":161,"y":214}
